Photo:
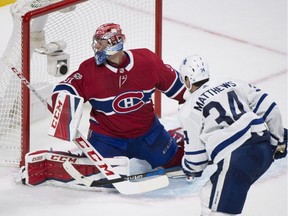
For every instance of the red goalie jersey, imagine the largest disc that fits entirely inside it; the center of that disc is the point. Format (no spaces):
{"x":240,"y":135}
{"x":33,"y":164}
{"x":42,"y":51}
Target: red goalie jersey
{"x":121,"y":96}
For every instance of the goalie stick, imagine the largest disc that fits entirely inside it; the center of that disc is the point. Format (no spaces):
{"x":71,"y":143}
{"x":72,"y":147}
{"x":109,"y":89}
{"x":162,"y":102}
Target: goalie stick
{"x":172,"y":172}
{"x":103,"y":182}
{"x":125,"y":187}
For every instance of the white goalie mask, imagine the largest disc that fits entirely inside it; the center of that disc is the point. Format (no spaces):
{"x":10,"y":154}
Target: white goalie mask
{"x":195,"y":69}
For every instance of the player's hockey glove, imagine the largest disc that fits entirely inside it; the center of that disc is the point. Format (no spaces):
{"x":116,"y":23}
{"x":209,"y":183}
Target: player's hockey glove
{"x":188,"y":171}
{"x":280,"y":151}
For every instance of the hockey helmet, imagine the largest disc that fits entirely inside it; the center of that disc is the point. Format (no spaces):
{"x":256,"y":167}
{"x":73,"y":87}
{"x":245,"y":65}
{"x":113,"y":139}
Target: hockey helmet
{"x":115,"y":39}
{"x":195,"y":69}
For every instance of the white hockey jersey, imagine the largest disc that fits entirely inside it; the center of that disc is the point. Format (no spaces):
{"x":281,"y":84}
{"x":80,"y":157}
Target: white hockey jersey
{"x":220,"y":116}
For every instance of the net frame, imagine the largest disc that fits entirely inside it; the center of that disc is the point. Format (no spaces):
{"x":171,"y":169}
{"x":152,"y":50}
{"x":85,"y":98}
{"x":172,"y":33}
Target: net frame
{"x":25,"y":66}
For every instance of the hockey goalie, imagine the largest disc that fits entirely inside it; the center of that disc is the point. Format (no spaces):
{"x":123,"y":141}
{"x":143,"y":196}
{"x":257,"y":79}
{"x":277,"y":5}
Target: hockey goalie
{"x":47,"y":166}
{"x":43,"y":165}
{"x":119,"y":86}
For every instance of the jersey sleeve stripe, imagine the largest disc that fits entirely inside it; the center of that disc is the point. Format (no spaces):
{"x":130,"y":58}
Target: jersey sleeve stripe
{"x":195,"y":152}
{"x":194,"y":163}
{"x":259,"y":102}
{"x":175,"y":88}
{"x":66,"y":87}
{"x":269,"y":110}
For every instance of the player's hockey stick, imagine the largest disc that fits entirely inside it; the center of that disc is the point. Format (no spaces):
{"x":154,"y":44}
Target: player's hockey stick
{"x":125,"y":187}
{"x":103,"y":182}
{"x":172,"y":172}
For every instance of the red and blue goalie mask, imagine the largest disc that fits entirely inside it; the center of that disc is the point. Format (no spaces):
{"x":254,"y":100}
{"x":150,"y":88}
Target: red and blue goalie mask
{"x":112,"y":33}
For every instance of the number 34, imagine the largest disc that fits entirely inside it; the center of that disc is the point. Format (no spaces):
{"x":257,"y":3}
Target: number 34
{"x":232,"y":100}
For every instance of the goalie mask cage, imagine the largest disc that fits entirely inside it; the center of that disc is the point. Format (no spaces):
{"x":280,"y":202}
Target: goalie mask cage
{"x":39,"y":22}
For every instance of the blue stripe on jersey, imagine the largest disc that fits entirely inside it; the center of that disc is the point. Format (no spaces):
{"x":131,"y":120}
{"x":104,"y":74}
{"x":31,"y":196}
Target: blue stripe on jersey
{"x":70,"y":119}
{"x":105,"y":105}
{"x":269,"y":110}
{"x":76,"y":103}
{"x":199,"y":163}
{"x":61,"y":87}
{"x":195,"y":152}
{"x":187,"y":163}
{"x":176,"y":85}
{"x":274,"y":137}
{"x":235,"y":137}
{"x":259,"y":102}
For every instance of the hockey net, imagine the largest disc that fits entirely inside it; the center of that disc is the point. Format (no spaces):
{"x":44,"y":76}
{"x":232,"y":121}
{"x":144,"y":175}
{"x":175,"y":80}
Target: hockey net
{"x":39,"y":22}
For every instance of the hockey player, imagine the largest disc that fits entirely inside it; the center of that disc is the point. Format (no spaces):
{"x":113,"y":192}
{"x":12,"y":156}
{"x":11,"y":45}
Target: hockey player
{"x":234,"y":125}
{"x":118,"y":84}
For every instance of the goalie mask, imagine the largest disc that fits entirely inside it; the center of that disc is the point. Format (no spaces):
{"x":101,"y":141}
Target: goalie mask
{"x":107,"y":40}
{"x":195,"y":69}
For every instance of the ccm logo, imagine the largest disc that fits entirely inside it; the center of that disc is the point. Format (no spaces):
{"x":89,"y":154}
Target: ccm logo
{"x":56,"y":114}
{"x":39,"y":158}
{"x":94,"y":156}
{"x":63,"y":158}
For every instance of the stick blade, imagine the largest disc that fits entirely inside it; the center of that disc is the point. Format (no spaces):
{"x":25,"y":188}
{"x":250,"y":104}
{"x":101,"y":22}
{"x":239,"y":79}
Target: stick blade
{"x":124,"y":187}
{"x":70,"y":169}
{"x":129,"y":188}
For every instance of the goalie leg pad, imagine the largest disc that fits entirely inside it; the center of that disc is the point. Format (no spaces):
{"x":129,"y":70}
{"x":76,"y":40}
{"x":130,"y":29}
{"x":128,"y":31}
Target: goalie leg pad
{"x":43,"y":165}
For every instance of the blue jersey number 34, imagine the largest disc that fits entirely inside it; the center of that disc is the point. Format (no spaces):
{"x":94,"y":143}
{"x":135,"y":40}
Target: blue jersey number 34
{"x":223,"y":117}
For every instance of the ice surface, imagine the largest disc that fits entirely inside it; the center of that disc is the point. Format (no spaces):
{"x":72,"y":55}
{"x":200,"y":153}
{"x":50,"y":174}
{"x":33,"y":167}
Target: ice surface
{"x":240,"y":39}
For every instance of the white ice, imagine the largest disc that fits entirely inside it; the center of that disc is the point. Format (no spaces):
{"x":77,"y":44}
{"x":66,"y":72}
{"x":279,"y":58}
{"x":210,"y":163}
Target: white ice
{"x":240,"y":39}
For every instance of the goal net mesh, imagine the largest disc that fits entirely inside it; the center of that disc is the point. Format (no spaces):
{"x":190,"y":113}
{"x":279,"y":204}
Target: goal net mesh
{"x":75,"y":26}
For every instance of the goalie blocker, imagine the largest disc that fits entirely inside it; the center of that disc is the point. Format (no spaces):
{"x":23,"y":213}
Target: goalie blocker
{"x":66,"y":116}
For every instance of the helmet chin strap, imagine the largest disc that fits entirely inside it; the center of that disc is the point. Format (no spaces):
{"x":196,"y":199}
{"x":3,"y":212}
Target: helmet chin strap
{"x":194,"y":88}
{"x":191,"y":88}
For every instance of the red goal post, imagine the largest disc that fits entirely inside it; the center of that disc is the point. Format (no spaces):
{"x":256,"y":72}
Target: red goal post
{"x":38,"y":22}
